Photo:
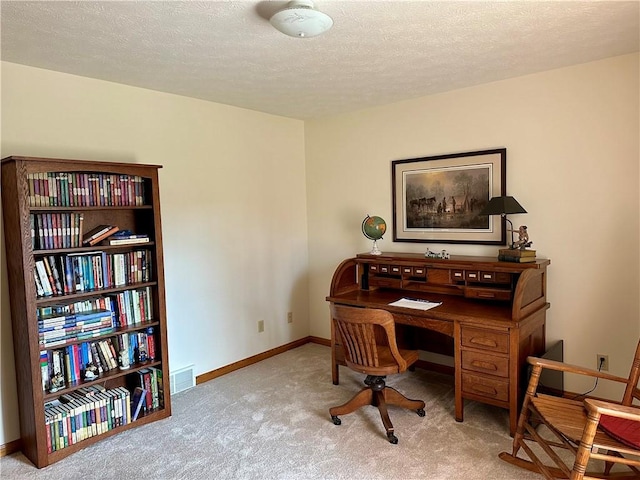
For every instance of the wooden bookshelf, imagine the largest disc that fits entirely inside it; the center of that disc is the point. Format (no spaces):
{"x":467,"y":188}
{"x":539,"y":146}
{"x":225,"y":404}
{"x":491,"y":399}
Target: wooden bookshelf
{"x":135,"y":208}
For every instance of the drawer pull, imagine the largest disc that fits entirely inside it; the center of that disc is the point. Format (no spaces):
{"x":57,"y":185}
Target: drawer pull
{"x":485,"y":342}
{"x":484,"y":365}
{"x":485,"y":389}
{"x":486,"y":295}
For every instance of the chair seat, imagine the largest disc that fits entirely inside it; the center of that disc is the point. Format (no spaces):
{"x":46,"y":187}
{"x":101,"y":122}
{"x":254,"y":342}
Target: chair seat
{"x":622,"y":429}
{"x":387,"y":365}
{"x":569,"y":417}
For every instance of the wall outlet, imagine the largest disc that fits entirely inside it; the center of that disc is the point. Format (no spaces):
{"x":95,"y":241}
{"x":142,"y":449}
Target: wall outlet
{"x":602,"y":362}
{"x":260,"y":326}
{"x":290,"y":317}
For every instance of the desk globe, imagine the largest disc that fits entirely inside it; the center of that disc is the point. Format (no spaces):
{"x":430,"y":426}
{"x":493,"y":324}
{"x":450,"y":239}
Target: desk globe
{"x":373,"y":228}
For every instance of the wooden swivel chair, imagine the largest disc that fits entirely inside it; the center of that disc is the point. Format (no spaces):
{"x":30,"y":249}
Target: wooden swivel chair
{"x":369,"y":340}
{"x":589,"y":429}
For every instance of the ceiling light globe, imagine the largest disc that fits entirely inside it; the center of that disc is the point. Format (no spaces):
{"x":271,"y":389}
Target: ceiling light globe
{"x":300,"y":19}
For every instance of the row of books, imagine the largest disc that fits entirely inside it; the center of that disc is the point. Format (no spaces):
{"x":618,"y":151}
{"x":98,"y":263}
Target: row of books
{"x":139,"y":346}
{"x":64,"y":329}
{"x":133,"y":307}
{"x":112,"y":235}
{"x":85,"y":413}
{"x":516,"y":255}
{"x":56,"y":230}
{"x":128,"y":308}
{"x":51,"y":231}
{"x":81,"y":272}
{"x":87,"y":360}
{"x":151,"y":382}
{"x":80,"y":306}
{"x":65,"y":366}
{"x":76,"y":189}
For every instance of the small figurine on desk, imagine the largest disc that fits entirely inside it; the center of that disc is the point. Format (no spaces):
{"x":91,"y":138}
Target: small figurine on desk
{"x":444,"y":255}
{"x":523,"y":238}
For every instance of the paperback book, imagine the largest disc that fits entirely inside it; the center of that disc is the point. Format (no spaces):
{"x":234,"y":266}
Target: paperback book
{"x":126,"y":237}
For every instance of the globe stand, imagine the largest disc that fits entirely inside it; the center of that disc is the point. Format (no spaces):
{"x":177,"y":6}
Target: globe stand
{"x":375,"y":250}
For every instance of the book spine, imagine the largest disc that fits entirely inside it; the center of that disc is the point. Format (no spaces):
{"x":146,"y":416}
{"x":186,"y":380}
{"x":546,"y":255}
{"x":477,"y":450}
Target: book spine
{"x":44,"y":279}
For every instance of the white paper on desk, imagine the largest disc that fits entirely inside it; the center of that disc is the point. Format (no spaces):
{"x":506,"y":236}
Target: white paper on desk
{"x":417,"y":304}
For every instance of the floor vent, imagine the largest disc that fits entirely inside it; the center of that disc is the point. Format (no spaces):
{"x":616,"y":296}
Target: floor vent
{"x":182,"y":379}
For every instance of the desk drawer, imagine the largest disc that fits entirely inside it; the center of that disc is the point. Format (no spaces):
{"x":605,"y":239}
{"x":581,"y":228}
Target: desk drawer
{"x":487,"y":293}
{"x":416,"y":272}
{"x":485,"y":387}
{"x":483,"y":363}
{"x":472,"y":275}
{"x":389,"y":282}
{"x":485,"y":339}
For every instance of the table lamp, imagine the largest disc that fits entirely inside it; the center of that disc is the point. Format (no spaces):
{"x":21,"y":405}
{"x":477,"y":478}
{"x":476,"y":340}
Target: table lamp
{"x":503,"y":206}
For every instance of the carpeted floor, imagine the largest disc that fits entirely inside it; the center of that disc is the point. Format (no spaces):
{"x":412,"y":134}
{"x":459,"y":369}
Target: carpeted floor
{"x":270,"y":421}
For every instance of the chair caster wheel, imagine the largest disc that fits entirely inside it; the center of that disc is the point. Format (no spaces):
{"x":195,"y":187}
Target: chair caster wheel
{"x":336,"y":420}
{"x":392,"y":438}
{"x":420,"y":412}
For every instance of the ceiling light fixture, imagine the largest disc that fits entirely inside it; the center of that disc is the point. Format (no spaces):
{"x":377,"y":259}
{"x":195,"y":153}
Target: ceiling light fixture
{"x":300,"y":19}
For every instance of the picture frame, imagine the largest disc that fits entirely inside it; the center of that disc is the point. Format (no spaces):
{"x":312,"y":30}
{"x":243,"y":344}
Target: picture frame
{"x":437,"y":199}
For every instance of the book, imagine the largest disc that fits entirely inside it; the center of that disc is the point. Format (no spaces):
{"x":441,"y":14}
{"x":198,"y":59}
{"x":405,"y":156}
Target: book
{"x":125,"y":241}
{"x":516,"y":252}
{"x":137,"y":401}
{"x":505,"y":258}
{"x":128,"y":234}
{"x":99,"y":233}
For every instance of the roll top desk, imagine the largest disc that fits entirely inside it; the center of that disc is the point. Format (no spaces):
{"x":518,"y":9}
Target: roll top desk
{"x":492,"y":316}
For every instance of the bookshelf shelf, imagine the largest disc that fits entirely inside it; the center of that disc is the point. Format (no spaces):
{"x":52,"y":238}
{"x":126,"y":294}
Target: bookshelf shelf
{"x":123,"y":324}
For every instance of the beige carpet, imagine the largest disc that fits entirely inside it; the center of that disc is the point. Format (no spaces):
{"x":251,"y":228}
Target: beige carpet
{"x":271,"y":421}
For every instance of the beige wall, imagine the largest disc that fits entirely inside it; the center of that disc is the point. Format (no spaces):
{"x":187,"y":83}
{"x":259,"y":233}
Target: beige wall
{"x":233,"y":207}
{"x":572,"y":162}
{"x":234,"y":196}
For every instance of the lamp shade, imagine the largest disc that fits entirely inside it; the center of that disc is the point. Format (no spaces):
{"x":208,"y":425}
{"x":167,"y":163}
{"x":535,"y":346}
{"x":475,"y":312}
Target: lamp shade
{"x":300,"y":19}
{"x":501,"y":206}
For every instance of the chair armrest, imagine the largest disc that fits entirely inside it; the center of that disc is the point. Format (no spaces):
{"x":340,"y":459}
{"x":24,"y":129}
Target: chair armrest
{"x":612,"y":409}
{"x":566,"y":367}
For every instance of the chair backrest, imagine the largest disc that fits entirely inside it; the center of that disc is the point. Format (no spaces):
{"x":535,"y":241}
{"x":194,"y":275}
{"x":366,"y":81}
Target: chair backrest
{"x":357,"y":329}
{"x":632,"y":390}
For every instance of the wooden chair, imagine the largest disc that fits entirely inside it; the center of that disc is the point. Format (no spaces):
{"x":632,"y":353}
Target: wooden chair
{"x":589,"y":430}
{"x":369,"y":340}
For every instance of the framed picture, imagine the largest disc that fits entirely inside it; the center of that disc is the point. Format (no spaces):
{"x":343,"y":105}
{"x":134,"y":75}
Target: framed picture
{"x":437,"y":199}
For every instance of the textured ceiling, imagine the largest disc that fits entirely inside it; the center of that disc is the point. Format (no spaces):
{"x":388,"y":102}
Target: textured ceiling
{"x":378,"y":52}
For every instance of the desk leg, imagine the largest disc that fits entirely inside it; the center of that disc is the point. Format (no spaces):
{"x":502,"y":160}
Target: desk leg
{"x":457,"y":358}
{"x":335,"y":373}
{"x":459,"y":405}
